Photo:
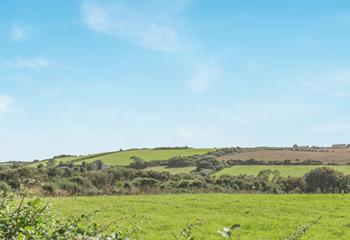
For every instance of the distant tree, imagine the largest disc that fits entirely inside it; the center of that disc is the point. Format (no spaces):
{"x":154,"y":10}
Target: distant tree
{"x":96,"y":165}
{"x":51,"y":163}
{"x":40,"y":165}
{"x":265,"y":174}
{"x":324,"y":179}
{"x":209,"y":163}
{"x":137,"y":163}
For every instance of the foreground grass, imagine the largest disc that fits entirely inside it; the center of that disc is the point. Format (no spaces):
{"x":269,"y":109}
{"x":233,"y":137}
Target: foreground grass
{"x":260,"y":216}
{"x":296,"y":170}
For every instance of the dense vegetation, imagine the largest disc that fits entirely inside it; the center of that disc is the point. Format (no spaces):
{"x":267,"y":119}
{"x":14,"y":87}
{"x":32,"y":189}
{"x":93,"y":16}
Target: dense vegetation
{"x":98,"y":178}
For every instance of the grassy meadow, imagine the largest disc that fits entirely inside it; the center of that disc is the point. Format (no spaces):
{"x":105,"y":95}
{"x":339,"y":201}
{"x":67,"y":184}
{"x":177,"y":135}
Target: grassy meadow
{"x":123,"y":158}
{"x":261,"y":216}
{"x":291,"y":170}
{"x":328,"y":155}
{"x":61,"y":159}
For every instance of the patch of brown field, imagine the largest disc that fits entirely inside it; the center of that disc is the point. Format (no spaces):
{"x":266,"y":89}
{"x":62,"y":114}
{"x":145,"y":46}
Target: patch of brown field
{"x":340,"y":156}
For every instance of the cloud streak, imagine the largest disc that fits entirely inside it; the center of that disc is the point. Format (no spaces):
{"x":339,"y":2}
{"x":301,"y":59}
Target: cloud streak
{"x":130,"y":24}
{"x":28,"y":63}
{"x":17,"y":33}
{"x":203,"y":76}
{"x":6,"y":103}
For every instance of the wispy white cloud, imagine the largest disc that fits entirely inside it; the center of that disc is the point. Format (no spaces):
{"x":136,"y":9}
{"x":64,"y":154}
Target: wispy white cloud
{"x":203,"y":76}
{"x":28,"y":63}
{"x":333,"y":83}
{"x":121,"y":21}
{"x":17,"y":33}
{"x":6,"y":103}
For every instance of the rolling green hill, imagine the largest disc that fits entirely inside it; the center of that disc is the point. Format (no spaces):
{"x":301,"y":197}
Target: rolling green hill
{"x":61,"y":159}
{"x":122,"y":158}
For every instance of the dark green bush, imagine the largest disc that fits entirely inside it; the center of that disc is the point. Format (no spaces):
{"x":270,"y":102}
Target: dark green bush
{"x":5,"y":189}
{"x":31,"y":219}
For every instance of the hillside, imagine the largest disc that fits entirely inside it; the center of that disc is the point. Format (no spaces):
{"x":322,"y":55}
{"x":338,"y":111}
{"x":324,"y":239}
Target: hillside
{"x":122,"y":158}
{"x":285,"y":171}
{"x":327,"y":155}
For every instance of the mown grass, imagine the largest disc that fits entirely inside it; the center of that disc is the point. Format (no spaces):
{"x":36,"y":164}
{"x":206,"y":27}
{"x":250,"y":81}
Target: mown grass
{"x":295,"y":170}
{"x":172,"y":170}
{"x":260,"y":216}
{"x":123,"y":158}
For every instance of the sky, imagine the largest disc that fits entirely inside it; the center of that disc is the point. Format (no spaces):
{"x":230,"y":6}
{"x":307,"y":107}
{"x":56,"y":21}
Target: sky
{"x":86,"y":76}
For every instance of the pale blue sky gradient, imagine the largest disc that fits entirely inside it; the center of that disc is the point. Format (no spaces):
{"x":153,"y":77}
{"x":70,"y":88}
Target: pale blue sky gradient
{"x":87,"y":76}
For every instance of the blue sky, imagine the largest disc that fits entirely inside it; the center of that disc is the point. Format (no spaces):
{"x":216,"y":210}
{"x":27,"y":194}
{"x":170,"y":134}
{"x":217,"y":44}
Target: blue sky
{"x":89,"y":76}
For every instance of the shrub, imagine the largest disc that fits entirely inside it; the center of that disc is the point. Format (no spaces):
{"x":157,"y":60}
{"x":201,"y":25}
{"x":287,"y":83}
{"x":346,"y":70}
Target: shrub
{"x":49,"y":187}
{"x":137,"y":163}
{"x":32,"y":220}
{"x":5,"y":189}
{"x":326,"y":179}
{"x":146,"y":182}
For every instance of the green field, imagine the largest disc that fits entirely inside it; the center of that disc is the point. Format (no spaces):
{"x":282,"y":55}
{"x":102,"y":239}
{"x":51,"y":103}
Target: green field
{"x":260,"y":216}
{"x":296,"y":170}
{"x":172,"y":170}
{"x":123,"y":158}
{"x":62,"y":159}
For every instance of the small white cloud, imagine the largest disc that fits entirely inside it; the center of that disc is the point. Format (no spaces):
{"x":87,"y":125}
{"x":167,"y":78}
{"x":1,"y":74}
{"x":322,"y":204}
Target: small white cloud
{"x":6,"y":103}
{"x":203,"y":76}
{"x":96,"y":17}
{"x":28,"y":63}
{"x":17,"y":33}
{"x":121,"y":21}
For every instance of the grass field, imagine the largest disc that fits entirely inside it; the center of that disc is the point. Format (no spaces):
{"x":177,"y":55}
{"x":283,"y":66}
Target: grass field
{"x":331,"y":155}
{"x":123,"y":158}
{"x":171,"y":170}
{"x":62,"y":159}
{"x":296,"y":170}
{"x":260,"y":216}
